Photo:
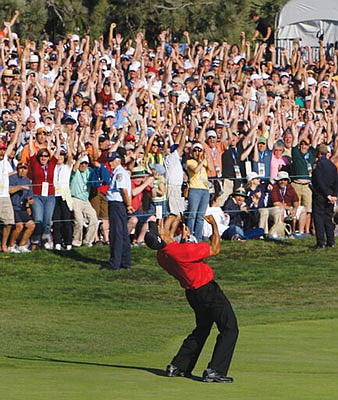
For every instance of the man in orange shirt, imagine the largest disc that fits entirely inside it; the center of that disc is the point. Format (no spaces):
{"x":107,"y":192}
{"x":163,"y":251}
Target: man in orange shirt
{"x":40,"y":142}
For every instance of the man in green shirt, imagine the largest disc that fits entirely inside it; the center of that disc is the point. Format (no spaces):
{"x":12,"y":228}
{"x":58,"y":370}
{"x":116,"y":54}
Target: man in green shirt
{"x":303,"y":157}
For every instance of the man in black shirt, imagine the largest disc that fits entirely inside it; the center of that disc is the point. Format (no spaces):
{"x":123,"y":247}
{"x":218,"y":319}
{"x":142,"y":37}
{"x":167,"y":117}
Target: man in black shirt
{"x":264,"y":28}
{"x":324,"y":197}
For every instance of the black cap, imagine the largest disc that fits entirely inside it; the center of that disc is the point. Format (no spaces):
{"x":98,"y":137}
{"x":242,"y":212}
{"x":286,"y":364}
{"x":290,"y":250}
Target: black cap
{"x":53,"y":57}
{"x":152,"y":239}
{"x":103,"y":137}
{"x":190,"y":79}
{"x":10,"y":126}
{"x":68,"y":120}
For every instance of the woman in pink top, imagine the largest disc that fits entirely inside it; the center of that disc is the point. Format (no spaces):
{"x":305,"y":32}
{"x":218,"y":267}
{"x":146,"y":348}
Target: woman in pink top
{"x":278,"y":161}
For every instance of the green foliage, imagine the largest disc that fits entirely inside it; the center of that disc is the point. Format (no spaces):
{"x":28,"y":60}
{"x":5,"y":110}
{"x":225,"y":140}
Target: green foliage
{"x":99,"y":13}
{"x":212,"y":19}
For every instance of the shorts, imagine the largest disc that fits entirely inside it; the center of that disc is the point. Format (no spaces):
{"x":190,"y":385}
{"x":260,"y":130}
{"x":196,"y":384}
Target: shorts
{"x":176,"y":203}
{"x":22,"y":216}
{"x":6,"y":211}
{"x":100,"y":205}
{"x":304,"y":193}
{"x":143,"y":216}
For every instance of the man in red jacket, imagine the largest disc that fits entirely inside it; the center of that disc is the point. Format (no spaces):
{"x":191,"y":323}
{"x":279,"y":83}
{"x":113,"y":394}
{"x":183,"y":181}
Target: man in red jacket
{"x":184,"y":261}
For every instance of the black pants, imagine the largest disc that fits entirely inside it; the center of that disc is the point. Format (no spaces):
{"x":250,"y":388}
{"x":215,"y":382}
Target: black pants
{"x":322,"y":212}
{"x":118,"y":236}
{"x":62,"y":222}
{"x":210,"y":305}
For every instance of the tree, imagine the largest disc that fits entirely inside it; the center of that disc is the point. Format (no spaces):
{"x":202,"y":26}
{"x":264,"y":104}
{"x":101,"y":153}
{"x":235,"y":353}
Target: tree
{"x":212,"y":19}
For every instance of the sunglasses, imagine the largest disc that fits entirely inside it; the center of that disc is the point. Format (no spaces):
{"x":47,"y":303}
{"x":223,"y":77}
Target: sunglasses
{"x":44,"y":156}
{"x":199,"y":150}
{"x":155,"y":144}
{"x":22,"y":167}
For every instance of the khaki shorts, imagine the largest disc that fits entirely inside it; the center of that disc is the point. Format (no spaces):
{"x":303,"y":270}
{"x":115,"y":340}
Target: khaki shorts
{"x":305,"y":195}
{"x":100,"y":205}
{"x":176,"y":203}
{"x":6,"y":211}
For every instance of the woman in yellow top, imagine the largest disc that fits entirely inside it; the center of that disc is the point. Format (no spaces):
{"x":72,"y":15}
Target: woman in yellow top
{"x":198,"y":197}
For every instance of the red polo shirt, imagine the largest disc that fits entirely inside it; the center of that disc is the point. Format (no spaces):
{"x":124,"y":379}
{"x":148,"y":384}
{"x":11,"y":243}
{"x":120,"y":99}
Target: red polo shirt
{"x":184,"y":261}
{"x":39,"y":174}
{"x":287,"y":196}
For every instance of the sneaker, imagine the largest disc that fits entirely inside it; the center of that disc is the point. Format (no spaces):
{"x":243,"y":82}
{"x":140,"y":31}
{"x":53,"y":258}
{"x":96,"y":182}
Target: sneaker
{"x":69,"y":247}
{"x":13,"y":249}
{"x":172,"y":371}
{"x":48,"y":246}
{"x":58,"y":247}
{"x":301,"y":235}
{"x":238,"y":238}
{"x":23,"y":249}
{"x":210,"y":375}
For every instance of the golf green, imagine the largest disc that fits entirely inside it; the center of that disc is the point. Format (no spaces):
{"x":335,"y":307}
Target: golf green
{"x":287,"y":360}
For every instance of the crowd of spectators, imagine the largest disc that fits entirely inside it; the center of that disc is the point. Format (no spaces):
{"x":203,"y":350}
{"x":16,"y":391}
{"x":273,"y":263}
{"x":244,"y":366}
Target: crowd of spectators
{"x":243,"y":124}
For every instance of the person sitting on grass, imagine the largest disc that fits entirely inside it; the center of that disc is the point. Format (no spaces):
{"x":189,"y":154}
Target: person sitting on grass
{"x":243,"y":221}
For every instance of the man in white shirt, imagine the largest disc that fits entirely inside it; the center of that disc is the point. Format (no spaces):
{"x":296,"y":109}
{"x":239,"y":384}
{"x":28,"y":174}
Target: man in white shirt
{"x":6,"y":208}
{"x":119,"y":206}
{"x":174,"y":175}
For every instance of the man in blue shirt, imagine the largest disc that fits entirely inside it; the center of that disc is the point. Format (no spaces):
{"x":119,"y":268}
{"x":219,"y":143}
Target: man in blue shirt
{"x":20,"y":189}
{"x":119,"y":206}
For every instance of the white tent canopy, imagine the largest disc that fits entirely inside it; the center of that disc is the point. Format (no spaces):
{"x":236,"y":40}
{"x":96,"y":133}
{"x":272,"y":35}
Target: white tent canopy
{"x":304,"y":19}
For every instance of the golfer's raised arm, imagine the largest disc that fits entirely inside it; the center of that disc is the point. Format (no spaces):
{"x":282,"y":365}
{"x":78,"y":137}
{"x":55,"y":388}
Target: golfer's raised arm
{"x":215,"y":245}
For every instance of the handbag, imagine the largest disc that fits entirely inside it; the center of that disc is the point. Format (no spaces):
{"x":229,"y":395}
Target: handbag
{"x":280,"y":230}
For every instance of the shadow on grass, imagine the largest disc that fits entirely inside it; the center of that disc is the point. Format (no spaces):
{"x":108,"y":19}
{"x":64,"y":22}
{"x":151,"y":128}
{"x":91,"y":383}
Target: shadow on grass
{"x":74,"y":255}
{"x":155,"y":371}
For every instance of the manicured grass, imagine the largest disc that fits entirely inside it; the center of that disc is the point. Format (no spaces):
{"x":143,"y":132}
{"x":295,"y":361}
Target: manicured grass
{"x":70,"y":331}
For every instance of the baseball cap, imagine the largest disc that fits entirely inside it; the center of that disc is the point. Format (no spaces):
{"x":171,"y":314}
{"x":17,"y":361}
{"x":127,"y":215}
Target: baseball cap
{"x":84,"y":159}
{"x":253,"y":77}
{"x":211,"y":133}
{"x":34,"y":58}
{"x":113,"y":156}
{"x":53,"y":57}
{"x":152,"y":238}
{"x":3,"y":146}
{"x":130,"y":137}
{"x":262,"y":139}
{"x":103,"y":138}
{"x":160,"y":169}
{"x":197,"y":145}
{"x":110,"y":114}
{"x":210,"y":73}
{"x":129,"y":147}
{"x":22,"y":164}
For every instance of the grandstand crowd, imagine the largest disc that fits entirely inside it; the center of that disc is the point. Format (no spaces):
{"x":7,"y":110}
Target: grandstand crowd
{"x":245,"y":129}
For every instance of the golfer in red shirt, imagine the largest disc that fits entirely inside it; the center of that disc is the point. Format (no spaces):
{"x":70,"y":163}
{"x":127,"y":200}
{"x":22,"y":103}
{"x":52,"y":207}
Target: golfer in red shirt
{"x":184,"y":261}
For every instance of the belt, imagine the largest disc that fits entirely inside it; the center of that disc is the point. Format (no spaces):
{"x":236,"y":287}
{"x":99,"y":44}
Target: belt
{"x":302,"y":183}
